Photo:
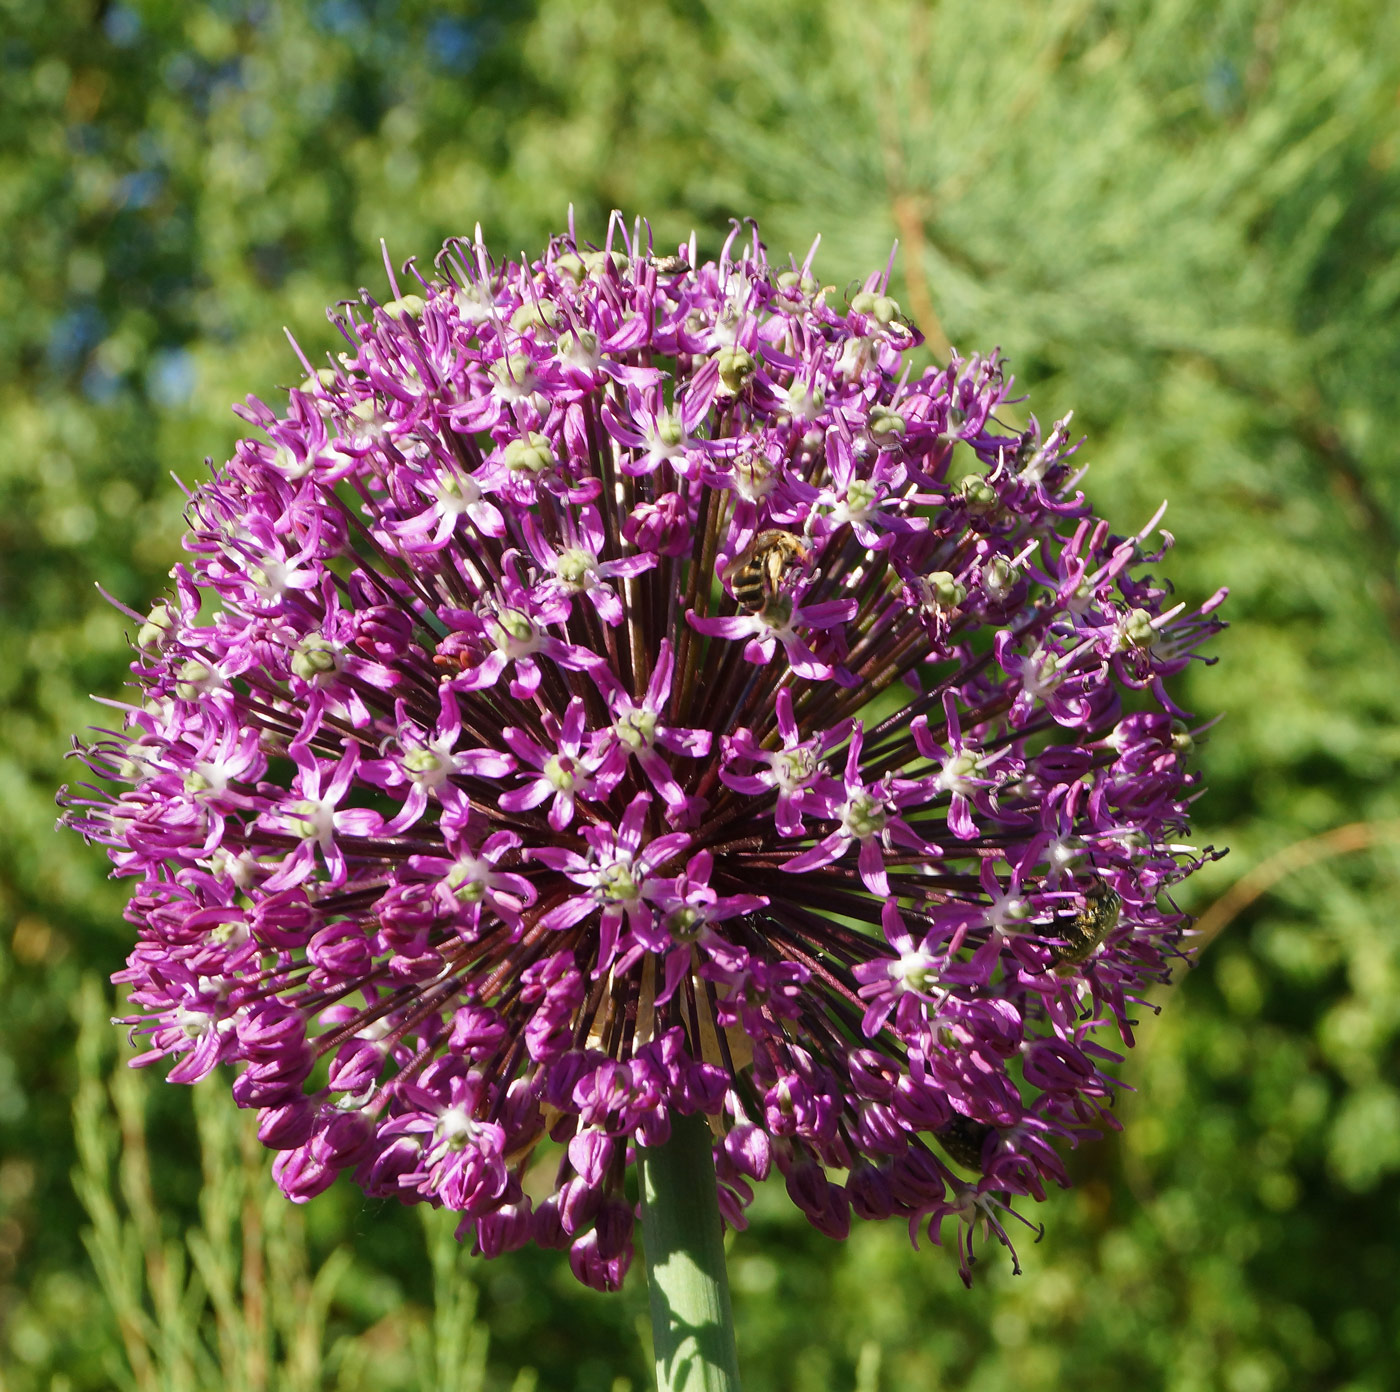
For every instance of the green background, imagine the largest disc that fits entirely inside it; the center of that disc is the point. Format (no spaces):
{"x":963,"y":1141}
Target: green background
{"x":1181,"y":219}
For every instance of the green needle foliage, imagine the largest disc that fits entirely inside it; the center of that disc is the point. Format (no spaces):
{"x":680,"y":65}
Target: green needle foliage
{"x":1180,"y":218}
{"x":237,"y":1300}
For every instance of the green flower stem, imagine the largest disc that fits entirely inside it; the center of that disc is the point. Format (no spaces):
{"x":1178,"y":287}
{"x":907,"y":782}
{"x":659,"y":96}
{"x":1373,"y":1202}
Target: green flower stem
{"x":691,"y":1320}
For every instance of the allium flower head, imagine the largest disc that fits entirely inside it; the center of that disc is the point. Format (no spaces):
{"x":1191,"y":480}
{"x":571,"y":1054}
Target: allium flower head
{"x":620,"y":687}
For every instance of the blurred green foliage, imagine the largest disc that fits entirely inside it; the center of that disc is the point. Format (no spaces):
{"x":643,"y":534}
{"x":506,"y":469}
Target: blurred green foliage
{"x":232,"y":1302}
{"x":1180,"y":218}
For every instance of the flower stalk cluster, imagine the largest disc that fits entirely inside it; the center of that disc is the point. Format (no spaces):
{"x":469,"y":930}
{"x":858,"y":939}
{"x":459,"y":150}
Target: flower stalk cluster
{"x":619,"y":688}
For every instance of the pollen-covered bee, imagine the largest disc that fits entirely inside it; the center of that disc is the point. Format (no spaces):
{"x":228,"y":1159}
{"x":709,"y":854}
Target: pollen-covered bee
{"x":758,"y":572}
{"x":1084,"y":930}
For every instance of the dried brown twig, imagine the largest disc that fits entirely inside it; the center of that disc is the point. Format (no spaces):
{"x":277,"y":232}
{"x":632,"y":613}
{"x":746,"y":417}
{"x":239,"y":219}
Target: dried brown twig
{"x":1354,"y":836}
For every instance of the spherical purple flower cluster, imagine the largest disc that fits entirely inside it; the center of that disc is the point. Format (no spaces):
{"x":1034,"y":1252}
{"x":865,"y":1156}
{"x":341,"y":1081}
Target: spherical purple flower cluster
{"x":620,"y":687}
